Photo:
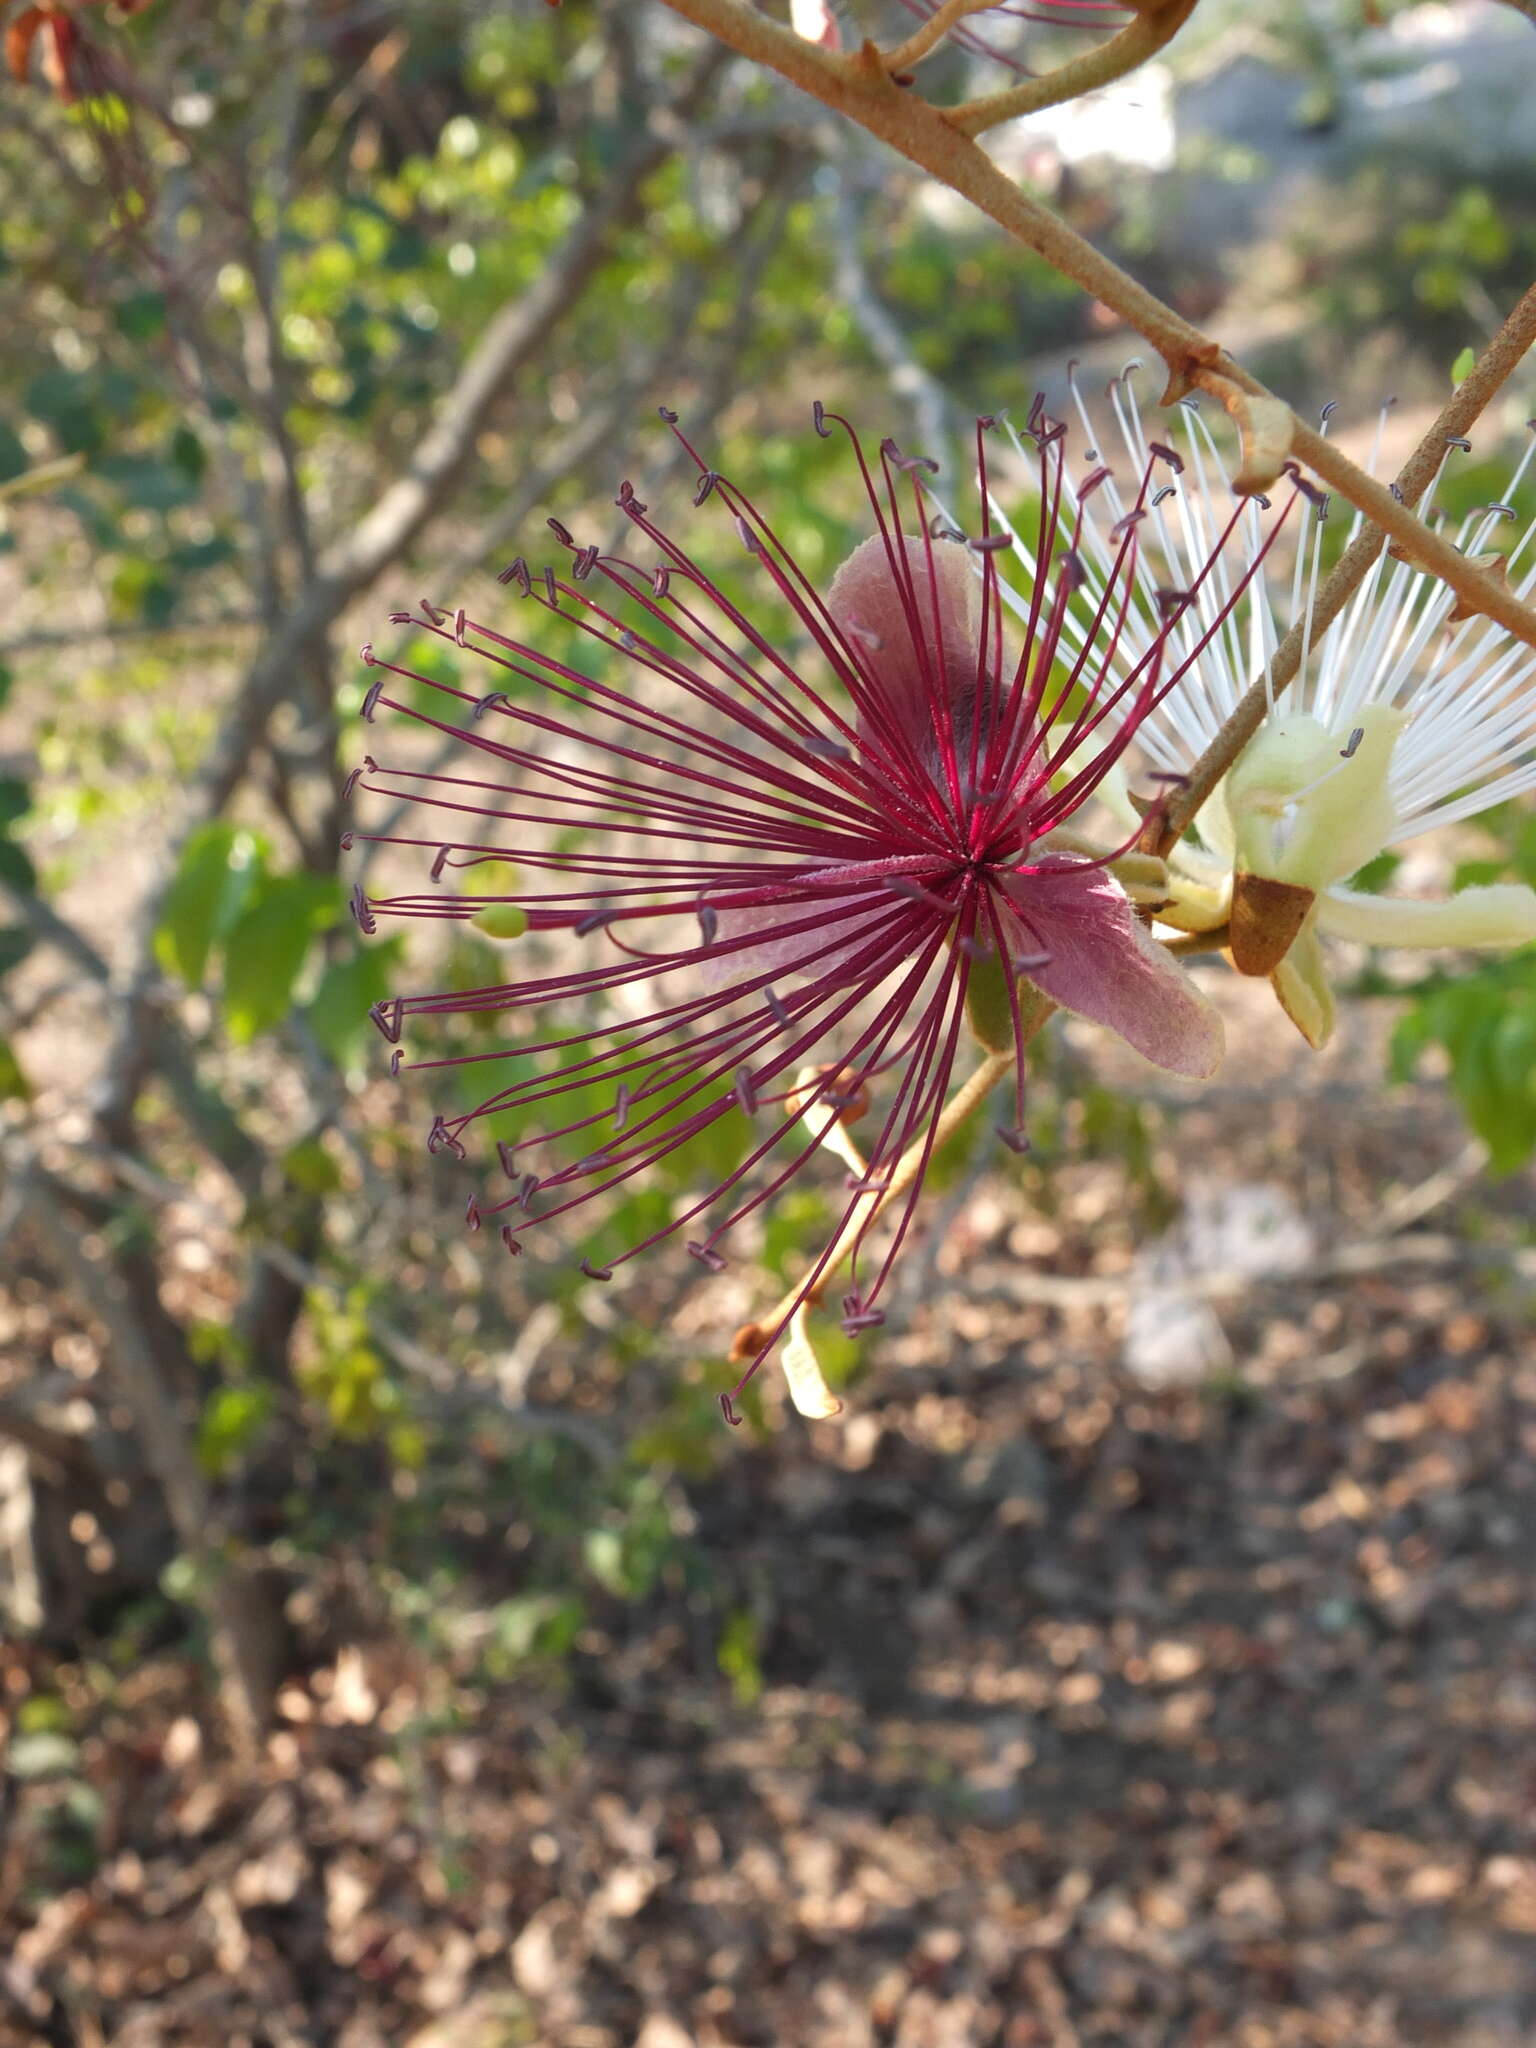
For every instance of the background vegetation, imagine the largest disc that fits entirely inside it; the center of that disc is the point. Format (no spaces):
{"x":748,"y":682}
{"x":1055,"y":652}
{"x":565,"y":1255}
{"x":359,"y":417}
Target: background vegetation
{"x":390,"y":1632}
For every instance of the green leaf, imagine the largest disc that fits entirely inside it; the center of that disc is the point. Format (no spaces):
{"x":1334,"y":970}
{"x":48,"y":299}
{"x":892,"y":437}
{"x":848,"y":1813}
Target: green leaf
{"x":1462,"y":367}
{"x":311,"y":1168}
{"x":219,"y":871}
{"x":265,"y":951}
{"x":14,"y":1086}
{"x":231,"y":1421}
{"x":16,"y":942}
{"x":15,"y":799}
{"x":141,"y":316}
{"x":349,"y":988}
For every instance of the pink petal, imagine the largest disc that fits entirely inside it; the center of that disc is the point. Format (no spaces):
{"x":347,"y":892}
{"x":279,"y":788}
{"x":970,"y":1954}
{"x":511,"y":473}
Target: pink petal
{"x":1105,"y":965}
{"x":917,"y":661}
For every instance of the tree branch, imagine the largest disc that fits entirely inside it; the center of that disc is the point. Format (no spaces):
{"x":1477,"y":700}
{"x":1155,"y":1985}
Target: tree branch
{"x":860,"y":88}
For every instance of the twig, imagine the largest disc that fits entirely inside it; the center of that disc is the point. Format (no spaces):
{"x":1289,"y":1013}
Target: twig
{"x":1138,"y":41}
{"x":931,"y":408}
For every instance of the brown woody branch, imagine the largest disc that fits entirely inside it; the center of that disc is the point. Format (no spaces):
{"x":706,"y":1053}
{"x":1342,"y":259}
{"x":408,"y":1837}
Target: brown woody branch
{"x":860,"y":87}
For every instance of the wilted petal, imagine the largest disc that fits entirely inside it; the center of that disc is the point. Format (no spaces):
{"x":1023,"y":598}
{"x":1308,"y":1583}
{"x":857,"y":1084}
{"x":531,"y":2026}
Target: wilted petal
{"x":912,"y":629}
{"x":1501,"y":914}
{"x":1301,"y":983}
{"x":1104,"y":964}
{"x":803,"y":1376}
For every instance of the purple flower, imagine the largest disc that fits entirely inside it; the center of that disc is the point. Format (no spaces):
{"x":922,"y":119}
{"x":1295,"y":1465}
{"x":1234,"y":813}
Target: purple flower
{"x":788,"y":842}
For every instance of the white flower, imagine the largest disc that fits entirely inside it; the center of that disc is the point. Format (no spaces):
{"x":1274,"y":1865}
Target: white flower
{"x":1402,"y":717}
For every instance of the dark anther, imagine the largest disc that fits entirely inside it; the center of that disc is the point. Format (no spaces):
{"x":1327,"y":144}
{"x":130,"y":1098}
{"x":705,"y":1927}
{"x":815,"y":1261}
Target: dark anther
{"x":394,"y":1062}
{"x":709,"y":922}
{"x":819,"y":422}
{"x":1348,"y":754}
{"x":989,"y":543}
{"x":661,"y":581}
{"x":387,"y":1015}
{"x":1090,"y":455}
{"x":366,"y":655}
{"x":561,"y":533}
{"x":1123,"y":526}
{"x":346,"y":840}
{"x":975,"y":949}
{"x":584,"y":562}
{"x":747,"y":537}
{"x":776,"y":1009}
{"x":402,"y":618}
{"x":621,"y":1106}
{"x":370,"y":703}
{"x":1502,"y":511}
{"x":628,"y":641}
{"x":1258,"y":498}
{"x":668,"y":415}
{"x":527,"y":1188}
{"x":508,"y":1157}
{"x":1170,"y":603}
{"x":1014,"y":1136}
{"x":1328,"y":411}
{"x":1167,"y":491}
{"x":1094,"y":479}
{"x":517,"y":572}
{"x":707,"y":480}
{"x":458,"y":627}
{"x":1171,"y":456}
{"x":595,"y":1162}
{"x":868,"y":1183}
{"x":862,"y":1319}
{"x":827,"y":750}
{"x":1027,"y":962}
{"x":551,"y":589}
{"x":1072,"y":575}
{"x":706,"y":1255}
{"x":353,"y":778}
{"x":366,"y":923}
{"x":441,"y":1139}
{"x":479,"y":709}
{"x":729,"y":1412}
{"x":907,"y":463}
{"x":1459,"y":441}
{"x":1397,"y":493}
{"x":509,"y":1240}
{"x":986,"y":421}
{"x":940,"y":528}
{"x":596,"y":921}
{"x":472,"y":1212}
{"x":596,"y":1272}
{"x":744,"y":1092}
{"x":1307,"y":488}
{"x":1172,"y":776}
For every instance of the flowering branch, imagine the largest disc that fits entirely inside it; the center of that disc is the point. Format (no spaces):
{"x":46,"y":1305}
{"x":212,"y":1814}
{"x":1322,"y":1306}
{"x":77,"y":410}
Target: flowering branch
{"x":860,"y":87}
{"x":1470,"y":398}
